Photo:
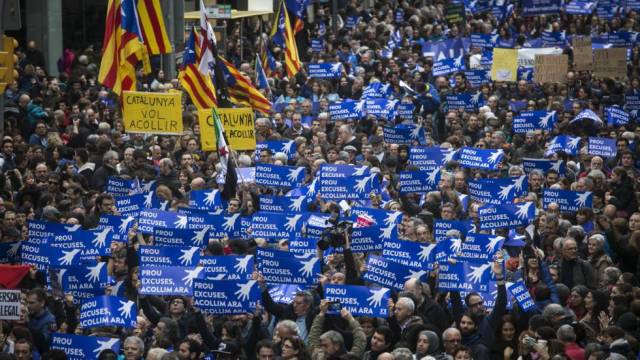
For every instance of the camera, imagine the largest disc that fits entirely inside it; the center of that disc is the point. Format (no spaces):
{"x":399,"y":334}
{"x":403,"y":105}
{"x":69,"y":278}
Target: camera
{"x":335,"y":306}
{"x":334,"y":235}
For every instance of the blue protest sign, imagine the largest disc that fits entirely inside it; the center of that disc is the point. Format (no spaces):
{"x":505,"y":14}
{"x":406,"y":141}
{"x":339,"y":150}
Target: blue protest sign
{"x":525,"y":74}
{"x":119,"y":225}
{"x":399,"y":15}
{"x":410,"y":253}
{"x":381,"y":108}
{"x":43,"y":231}
{"x":168,"y":280}
{"x":279,"y":176}
{"x":448,"y":66}
{"x":80,"y":347}
{"x":554,"y":38}
{"x":367,"y":239}
{"x":37,"y":254}
{"x":347,"y":182}
{"x":484,"y":40}
{"x":130,"y":205}
{"x":580,"y":7}
{"x":567,"y":200}
{"x":534,"y":120}
{"x":441,"y":227}
{"x":478,"y":77}
{"x":616,"y":116}
{"x":544,"y":165}
{"x":351,"y":22}
{"x":181,"y":237}
{"x":150,"y":218}
{"x":390,"y":273}
{"x":84,"y":281}
{"x":226,"y":297}
{"x":475,"y":158}
{"x":118,"y":186}
{"x":305,"y":246}
{"x":441,"y":49}
{"x":168,"y":255}
{"x":446,"y":250}
{"x":486,"y":59}
{"x":317,"y":45}
{"x":521,"y":294}
{"x":360,"y":300}
{"x":502,"y":12}
{"x":283,"y":203}
{"x":403,"y":134}
{"x":632,"y":102}
{"x":10,"y":252}
{"x":228,"y":267}
{"x":429,"y":158}
{"x":283,"y":267}
{"x":208,"y":199}
{"x":346,"y":110}
{"x":623,"y":39}
{"x":506,"y":216}
{"x":480,"y":248}
{"x":588,"y":115}
{"x":379,"y":217}
{"x":283,"y":293}
{"x":540,"y":7}
{"x":326,"y":70}
{"x":517,"y":105}
{"x":88,"y":245}
{"x":419,"y":181}
{"x":108,"y":311}
{"x":498,"y":190}
{"x":405,"y":110}
{"x":450,"y":276}
{"x":604,"y":147}
{"x":288,"y":147}
{"x":276,"y":225}
{"x":376,"y":90}
{"x":565,"y":143}
{"x":466,"y":101}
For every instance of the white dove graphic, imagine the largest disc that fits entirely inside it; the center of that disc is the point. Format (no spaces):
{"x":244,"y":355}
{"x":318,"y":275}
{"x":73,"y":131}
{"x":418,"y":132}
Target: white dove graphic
{"x":296,"y":204}
{"x":493,"y":241}
{"x":581,"y":200}
{"x":125,"y":309}
{"x":191,"y":274}
{"x":386,"y":232}
{"x":210,"y":197}
{"x":124,"y":224}
{"x":230,"y":222}
{"x":425,"y":251}
{"x":245,"y":290}
{"x":307,"y":266}
{"x":544,"y":121}
{"x":415,"y":274}
{"x":68,"y":256}
{"x":292,"y":222}
{"x":477,"y":271}
{"x":294,"y":174}
{"x":287,"y":146}
{"x":94,"y":272}
{"x":181,"y":223}
{"x":495,"y":156}
{"x":375,"y":300}
{"x":198,"y":236}
{"x":105,"y":345}
{"x":243,"y":262}
{"x":100,"y":238}
{"x":187,"y":255}
{"x":523,"y":210}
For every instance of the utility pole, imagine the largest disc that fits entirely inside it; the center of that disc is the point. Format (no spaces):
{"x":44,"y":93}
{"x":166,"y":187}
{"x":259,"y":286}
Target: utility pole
{"x":334,"y":16}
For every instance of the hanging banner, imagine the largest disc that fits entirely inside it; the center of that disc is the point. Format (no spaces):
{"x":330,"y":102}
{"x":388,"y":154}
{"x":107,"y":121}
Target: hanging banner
{"x":239,"y":127}
{"x":152,"y":113}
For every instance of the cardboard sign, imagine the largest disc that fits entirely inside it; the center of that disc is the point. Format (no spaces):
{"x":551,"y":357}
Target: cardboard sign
{"x":152,"y":113}
{"x":582,"y":53}
{"x":505,"y":65}
{"x":10,"y":304}
{"x":551,"y":68}
{"x":239,"y":126}
{"x":610,"y":63}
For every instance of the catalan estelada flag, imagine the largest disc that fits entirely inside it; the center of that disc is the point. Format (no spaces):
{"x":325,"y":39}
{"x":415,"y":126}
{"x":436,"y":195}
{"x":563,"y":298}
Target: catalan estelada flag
{"x":297,"y":7}
{"x":123,"y":47}
{"x":241,"y":91}
{"x":198,"y":85}
{"x":153,"y":29}
{"x":266,"y":57}
{"x":282,"y":35}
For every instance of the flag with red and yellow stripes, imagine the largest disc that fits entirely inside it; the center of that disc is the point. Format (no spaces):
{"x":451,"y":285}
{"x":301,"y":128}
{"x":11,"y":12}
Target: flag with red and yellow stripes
{"x":282,"y":34}
{"x":123,"y":47}
{"x":241,"y":91}
{"x":198,"y":85}
{"x":153,"y":29}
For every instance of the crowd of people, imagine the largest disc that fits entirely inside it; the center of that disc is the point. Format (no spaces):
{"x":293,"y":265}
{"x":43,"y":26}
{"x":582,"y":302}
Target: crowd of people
{"x":64,"y":138}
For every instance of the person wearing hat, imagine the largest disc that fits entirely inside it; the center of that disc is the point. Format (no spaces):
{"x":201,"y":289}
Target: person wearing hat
{"x":227,"y":350}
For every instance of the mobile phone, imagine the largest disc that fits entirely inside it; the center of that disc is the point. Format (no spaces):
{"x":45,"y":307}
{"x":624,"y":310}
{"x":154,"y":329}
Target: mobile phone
{"x":528,"y":341}
{"x":335,"y":306}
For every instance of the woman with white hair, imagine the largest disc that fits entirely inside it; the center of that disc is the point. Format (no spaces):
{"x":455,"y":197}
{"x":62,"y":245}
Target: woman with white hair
{"x":598,"y":258}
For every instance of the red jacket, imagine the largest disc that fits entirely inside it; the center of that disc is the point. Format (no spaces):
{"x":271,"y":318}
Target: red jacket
{"x":573,"y":351}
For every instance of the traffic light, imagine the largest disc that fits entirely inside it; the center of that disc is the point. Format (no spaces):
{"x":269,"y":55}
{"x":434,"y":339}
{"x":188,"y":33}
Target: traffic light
{"x":8,"y":60}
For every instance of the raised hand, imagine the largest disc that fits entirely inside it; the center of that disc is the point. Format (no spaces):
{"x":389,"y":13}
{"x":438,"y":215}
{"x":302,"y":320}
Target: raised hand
{"x":456,"y":245}
{"x":296,"y":204}
{"x":523,"y":210}
{"x":495,"y":156}
{"x":415,"y":274}
{"x":386,"y":232}
{"x":392,"y":218}
{"x":505,"y":191}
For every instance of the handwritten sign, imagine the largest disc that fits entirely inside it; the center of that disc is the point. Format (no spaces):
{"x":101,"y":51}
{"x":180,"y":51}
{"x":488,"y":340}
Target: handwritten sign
{"x":505,"y":65}
{"x":239,"y":127}
{"x":610,"y":63}
{"x":551,"y":68}
{"x":152,"y":113}
{"x":582,"y":53}
{"x":10,"y":304}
